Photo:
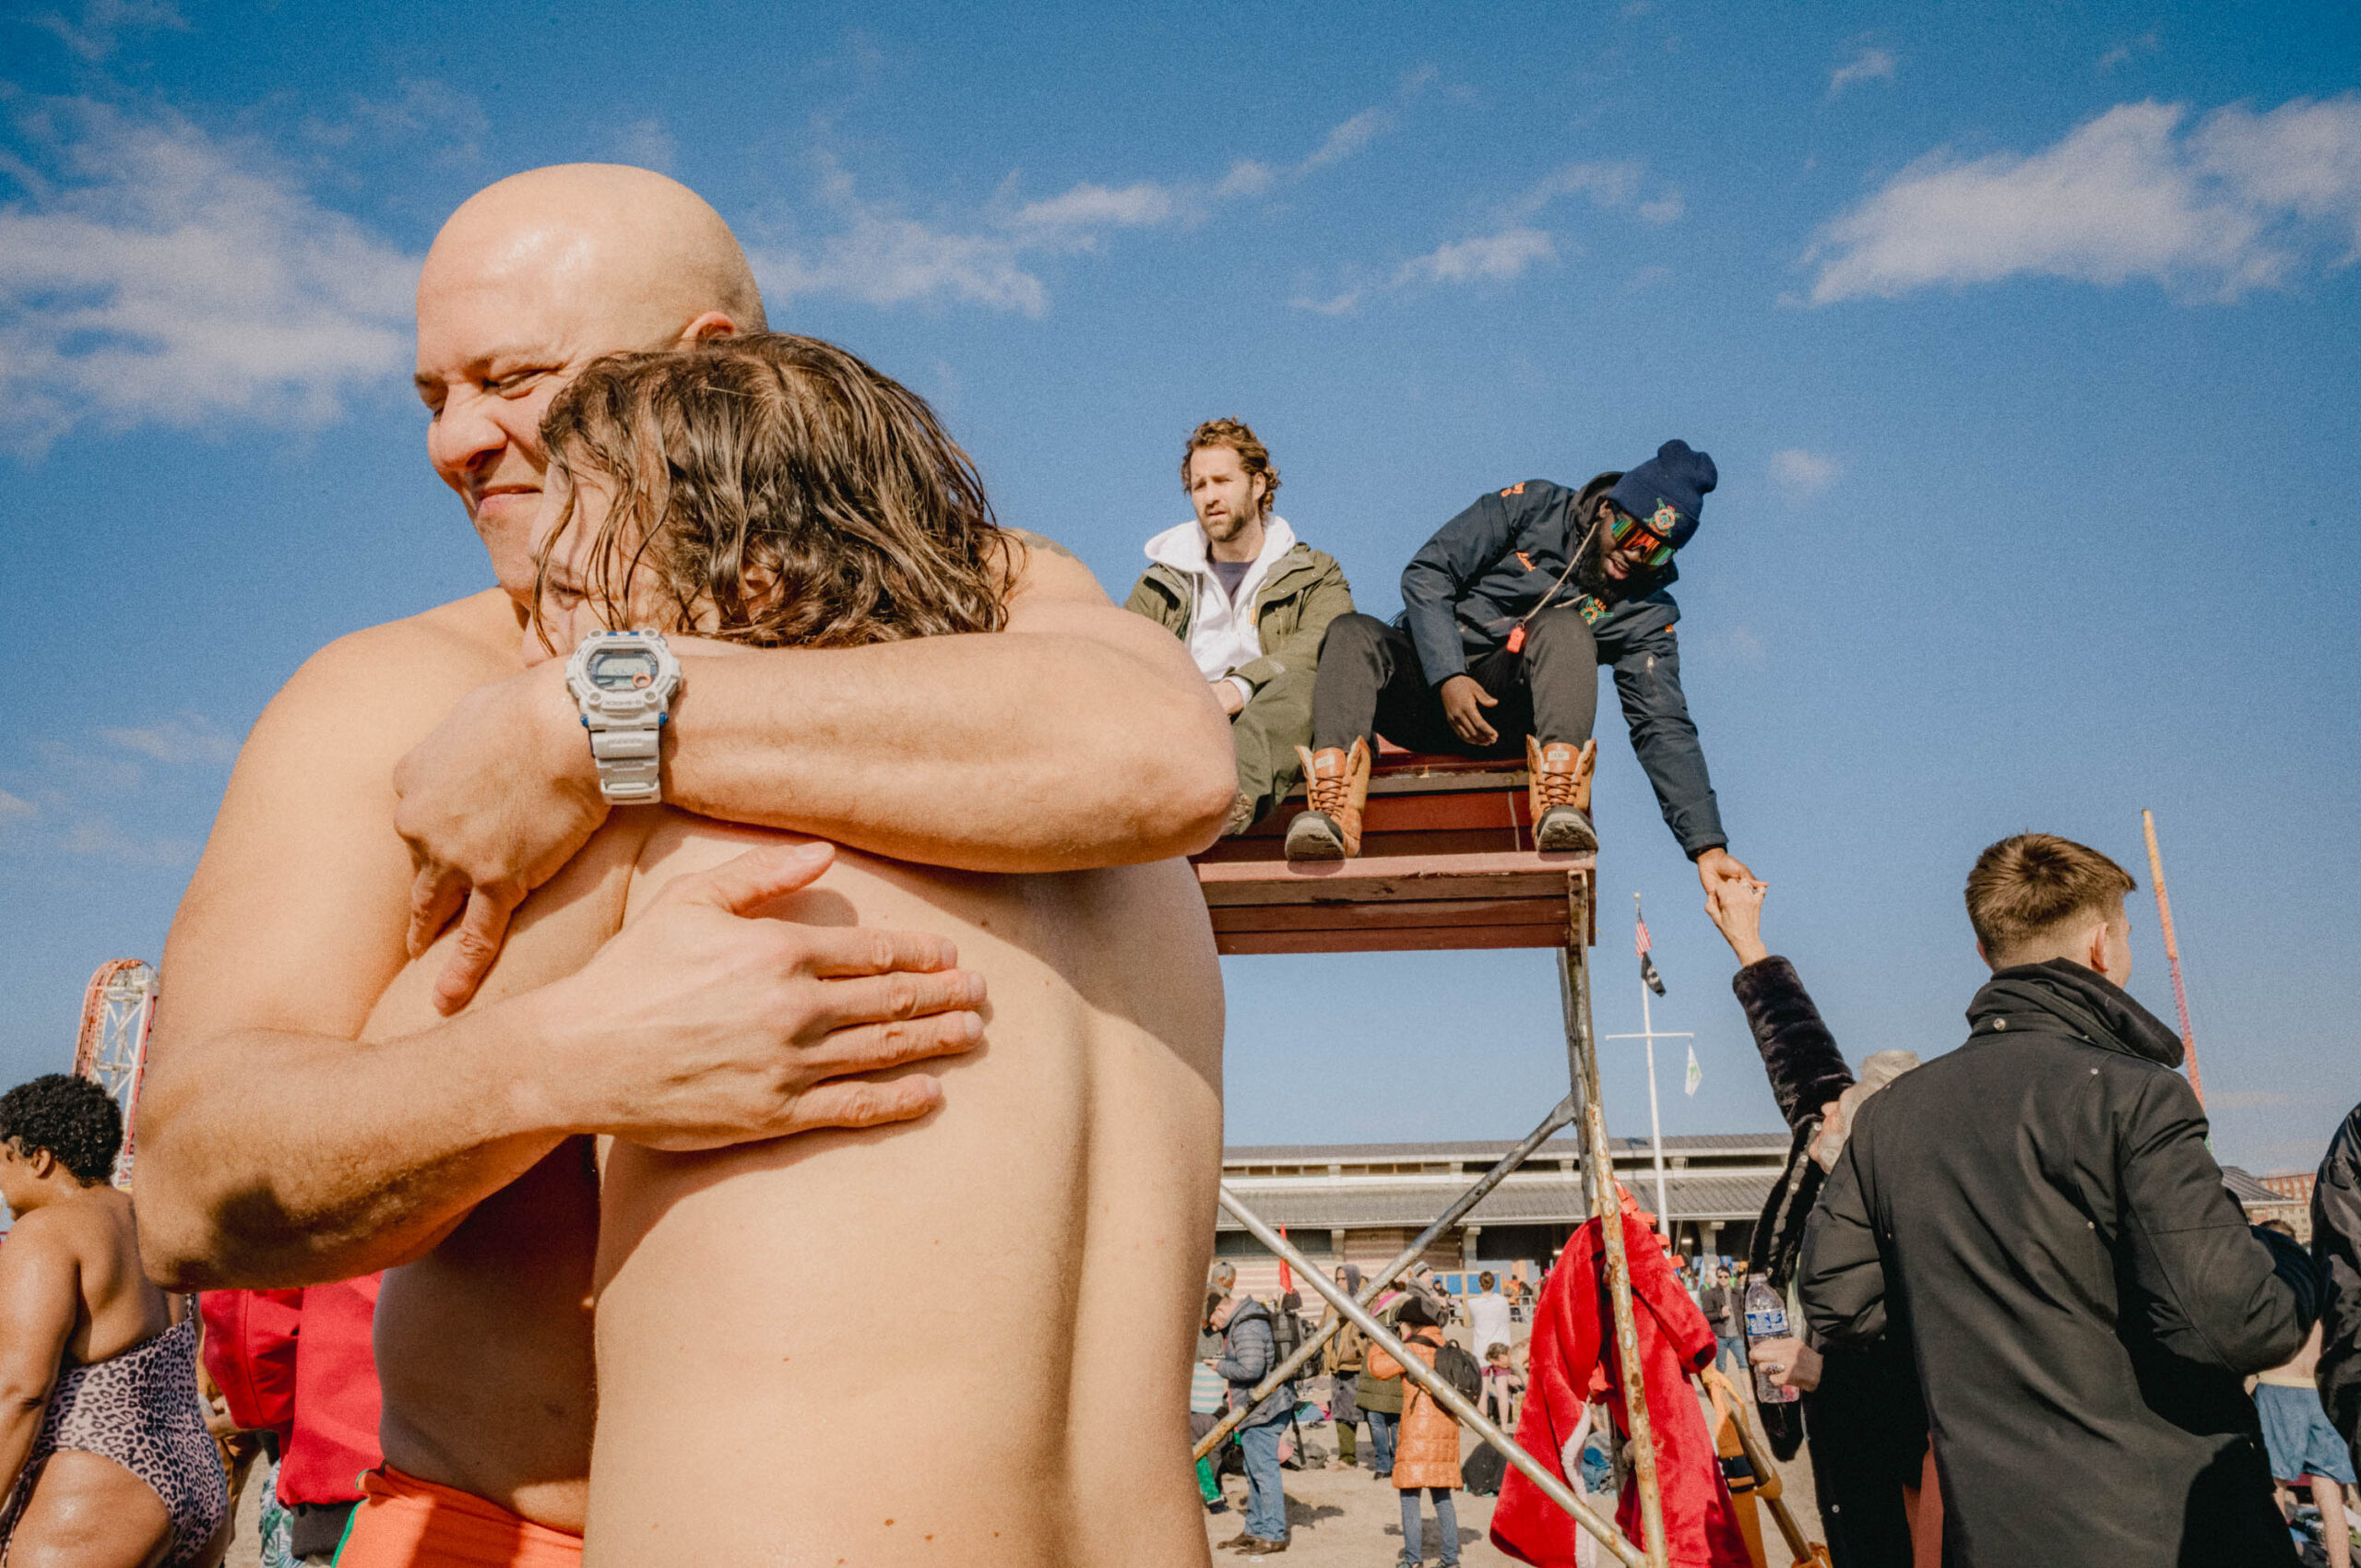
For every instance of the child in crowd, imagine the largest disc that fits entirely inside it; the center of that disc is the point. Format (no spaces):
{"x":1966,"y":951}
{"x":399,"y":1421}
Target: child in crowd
{"x":1502,"y":1385}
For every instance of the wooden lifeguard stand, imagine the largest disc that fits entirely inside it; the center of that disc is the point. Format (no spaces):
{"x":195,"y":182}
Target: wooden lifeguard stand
{"x":1447,"y":863}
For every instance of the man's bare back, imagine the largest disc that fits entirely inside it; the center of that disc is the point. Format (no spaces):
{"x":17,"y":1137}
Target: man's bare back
{"x":983,"y":1295}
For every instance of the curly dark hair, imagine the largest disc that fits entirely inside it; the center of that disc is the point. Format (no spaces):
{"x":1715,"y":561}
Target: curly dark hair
{"x":1239,"y":437}
{"x":784,"y":488}
{"x":72,"y":1118}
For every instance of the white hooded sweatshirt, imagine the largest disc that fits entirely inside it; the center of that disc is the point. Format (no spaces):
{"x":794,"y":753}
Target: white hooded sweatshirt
{"x":1222,"y":634}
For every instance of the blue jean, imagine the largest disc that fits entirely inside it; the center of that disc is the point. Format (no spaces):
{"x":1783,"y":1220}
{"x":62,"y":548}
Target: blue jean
{"x":1734,"y":1346}
{"x":1381,"y":1438}
{"x":1414,"y":1536}
{"x":1266,"y":1503}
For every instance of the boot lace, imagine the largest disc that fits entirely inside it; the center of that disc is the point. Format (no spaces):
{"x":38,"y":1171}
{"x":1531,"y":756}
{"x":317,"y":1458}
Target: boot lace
{"x":1554,"y":789}
{"x":1331,"y":797}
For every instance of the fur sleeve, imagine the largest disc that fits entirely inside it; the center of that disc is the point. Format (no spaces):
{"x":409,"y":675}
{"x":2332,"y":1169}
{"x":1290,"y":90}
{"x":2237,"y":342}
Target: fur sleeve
{"x":1806,"y":1069}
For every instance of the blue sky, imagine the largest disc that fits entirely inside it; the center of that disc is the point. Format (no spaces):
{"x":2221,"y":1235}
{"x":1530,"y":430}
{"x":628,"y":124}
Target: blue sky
{"x":2029,"y":345}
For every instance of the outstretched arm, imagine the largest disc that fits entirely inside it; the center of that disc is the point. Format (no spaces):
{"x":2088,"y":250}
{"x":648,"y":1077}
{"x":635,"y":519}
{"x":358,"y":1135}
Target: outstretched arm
{"x":39,"y":1297}
{"x":294,"y":927}
{"x":1647,"y":679}
{"x":1081,"y":736}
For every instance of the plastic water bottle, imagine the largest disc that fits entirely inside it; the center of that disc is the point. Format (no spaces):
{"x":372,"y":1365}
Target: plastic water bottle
{"x":1766,"y":1318}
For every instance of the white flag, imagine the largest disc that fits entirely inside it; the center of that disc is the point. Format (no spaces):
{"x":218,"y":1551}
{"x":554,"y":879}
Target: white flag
{"x":1696,"y":1074}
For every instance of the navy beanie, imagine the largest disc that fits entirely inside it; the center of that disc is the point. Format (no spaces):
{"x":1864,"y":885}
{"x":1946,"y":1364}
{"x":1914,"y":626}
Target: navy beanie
{"x":1676,"y":477}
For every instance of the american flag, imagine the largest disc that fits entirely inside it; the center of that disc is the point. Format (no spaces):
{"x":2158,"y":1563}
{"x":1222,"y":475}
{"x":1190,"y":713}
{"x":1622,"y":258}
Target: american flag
{"x":1654,"y":981}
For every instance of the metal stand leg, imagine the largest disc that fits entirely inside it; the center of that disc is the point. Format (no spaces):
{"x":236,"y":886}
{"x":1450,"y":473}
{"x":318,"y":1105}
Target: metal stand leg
{"x":1581,"y":1053}
{"x":1450,"y":1398}
{"x":1285,"y":1370}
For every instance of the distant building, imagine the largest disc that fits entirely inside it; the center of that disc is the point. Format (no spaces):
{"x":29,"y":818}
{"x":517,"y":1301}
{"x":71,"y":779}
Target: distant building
{"x":2273,"y":1197}
{"x":1363,"y":1203}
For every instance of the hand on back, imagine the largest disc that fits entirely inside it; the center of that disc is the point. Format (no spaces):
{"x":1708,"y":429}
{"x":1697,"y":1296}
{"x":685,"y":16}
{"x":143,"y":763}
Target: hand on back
{"x":703,"y":1024}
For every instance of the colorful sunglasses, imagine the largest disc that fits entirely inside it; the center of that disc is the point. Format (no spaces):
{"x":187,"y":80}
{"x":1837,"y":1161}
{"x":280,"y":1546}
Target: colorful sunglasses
{"x":1624,"y":529}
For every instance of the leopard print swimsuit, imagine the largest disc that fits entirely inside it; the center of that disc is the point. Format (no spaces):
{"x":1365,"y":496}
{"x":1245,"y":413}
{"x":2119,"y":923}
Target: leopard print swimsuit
{"x":140,"y":1410}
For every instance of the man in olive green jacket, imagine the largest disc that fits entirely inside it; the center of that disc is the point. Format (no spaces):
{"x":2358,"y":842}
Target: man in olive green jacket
{"x":1252,"y":603}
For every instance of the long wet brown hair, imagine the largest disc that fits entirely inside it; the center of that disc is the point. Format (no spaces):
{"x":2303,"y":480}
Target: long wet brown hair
{"x":780,"y":486}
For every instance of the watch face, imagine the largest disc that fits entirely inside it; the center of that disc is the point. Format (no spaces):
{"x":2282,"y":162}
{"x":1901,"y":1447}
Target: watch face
{"x":623,"y":669}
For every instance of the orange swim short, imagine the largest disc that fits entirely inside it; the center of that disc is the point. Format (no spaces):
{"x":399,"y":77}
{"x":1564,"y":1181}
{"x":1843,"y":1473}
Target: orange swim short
{"x":407,"y":1522}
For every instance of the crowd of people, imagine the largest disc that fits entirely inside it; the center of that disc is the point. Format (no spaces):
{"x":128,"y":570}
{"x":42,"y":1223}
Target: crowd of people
{"x":895,"y":964}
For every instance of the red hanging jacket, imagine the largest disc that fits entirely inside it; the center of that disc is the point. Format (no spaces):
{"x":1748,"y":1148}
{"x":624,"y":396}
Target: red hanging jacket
{"x":1573,"y":1337}
{"x":301,"y":1362}
{"x":250,"y":1355}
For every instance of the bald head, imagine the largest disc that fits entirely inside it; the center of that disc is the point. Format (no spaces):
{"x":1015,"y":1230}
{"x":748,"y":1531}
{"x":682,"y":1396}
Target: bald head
{"x":623,"y":245}
{"x":531,"y":279}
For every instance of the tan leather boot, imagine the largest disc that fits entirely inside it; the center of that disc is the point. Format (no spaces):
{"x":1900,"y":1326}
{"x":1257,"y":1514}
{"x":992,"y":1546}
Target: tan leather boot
{"x":1335,"y":788}
{"x":1561,"y":785}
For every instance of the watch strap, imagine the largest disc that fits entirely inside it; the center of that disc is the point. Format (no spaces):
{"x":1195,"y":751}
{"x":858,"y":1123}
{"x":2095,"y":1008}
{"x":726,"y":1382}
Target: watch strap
{"x":630,"y":762}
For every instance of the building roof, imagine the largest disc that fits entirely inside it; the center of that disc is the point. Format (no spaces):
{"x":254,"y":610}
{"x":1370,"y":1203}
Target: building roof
{"x":1315,"y":1204}
{"x":2248,"y":1191}
{"x":1563,"y":1147}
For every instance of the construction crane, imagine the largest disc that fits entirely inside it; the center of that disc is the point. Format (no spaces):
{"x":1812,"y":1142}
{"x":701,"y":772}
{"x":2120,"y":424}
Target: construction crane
{"x":111,"y":1050}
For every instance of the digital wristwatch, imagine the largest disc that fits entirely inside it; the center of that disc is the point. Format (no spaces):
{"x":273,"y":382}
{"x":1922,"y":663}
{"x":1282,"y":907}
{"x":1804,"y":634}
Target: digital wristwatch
{"x":624,"y":682}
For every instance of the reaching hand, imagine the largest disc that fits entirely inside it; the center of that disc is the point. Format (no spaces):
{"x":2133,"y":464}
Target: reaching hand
{"x":1734,"y":906}
{"x":1464,"y":702}
{"x":1232,"y":700}
{"x":703,"y":1024}
{"x":491,"y":811}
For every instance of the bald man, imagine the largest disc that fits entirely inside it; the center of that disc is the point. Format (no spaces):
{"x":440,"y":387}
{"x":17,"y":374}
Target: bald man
{"x":415,"y":764}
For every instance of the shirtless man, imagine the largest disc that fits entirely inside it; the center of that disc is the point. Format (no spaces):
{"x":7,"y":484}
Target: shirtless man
{"x":104,"y":1460}
{"x":278,"y":1147}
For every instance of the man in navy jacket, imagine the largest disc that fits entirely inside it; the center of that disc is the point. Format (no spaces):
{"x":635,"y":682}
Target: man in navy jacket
{"x":1508,"y":613}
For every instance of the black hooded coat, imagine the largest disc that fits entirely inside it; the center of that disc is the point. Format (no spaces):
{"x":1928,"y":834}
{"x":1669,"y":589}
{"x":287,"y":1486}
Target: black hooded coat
{"x":2038,"y":1213}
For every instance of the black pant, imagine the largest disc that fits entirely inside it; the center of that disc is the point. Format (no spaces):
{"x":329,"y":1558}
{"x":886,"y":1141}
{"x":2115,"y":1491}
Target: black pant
{"x":1371,"y":684}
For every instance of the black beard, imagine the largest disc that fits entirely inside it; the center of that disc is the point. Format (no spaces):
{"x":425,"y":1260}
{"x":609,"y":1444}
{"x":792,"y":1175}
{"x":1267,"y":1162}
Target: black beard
{"x":1590,"y":574}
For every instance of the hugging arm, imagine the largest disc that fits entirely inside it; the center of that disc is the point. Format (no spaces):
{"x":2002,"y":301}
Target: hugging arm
{"x":1080,"y":736}
{"x":277,"y":1148}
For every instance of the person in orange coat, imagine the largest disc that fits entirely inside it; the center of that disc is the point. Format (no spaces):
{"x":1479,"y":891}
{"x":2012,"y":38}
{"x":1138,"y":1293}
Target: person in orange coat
{"x":1426,"y":1454}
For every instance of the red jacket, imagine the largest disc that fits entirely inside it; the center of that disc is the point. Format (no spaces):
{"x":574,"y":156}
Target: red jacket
{"x":301,"y":1363}
{"x":1573,"y":1336}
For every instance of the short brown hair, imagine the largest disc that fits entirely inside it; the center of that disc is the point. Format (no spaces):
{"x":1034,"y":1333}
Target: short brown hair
{"x":2022,"y":886}
{"x":1252,"y":456}
{"x":781,"y":483}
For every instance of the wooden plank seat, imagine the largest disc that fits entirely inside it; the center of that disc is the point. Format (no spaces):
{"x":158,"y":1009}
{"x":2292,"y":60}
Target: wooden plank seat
{"x":1447,"y":861}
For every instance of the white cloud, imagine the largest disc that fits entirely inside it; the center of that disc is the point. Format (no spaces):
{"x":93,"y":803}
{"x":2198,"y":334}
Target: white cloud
{"x":1666,"y":208}
{"x":189,"y":739}
{"x":155,"y":274}
{"x":1245,"y":178}
{"x":2146,"y":43}
{"x":1138,"y":204}
{"x":93,"y":35}
{"x":1607,"y":184}
{"x":15,"y":808}
{"x":885,"y":257}
{"x":2240,"y":201}
{"x":1347,"y":138}
{"x":647,"y":143}
{"x":98,"y":836}
{"x":1870,"y":65}
{"x":1344,"y":304}
{"x":884,"y":260}
{"x":1800,"y":475}
{"x":1488,"y":259}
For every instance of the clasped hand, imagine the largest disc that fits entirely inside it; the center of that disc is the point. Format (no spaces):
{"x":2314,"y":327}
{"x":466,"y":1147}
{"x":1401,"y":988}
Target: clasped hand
{"x":490,"y":810}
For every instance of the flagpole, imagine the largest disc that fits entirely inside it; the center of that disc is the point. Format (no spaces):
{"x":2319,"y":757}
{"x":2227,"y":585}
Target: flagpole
{"x":1655,"y":1119}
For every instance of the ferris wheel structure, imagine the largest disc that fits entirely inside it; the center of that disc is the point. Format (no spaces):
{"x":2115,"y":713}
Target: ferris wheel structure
{"x":111,"y":1050}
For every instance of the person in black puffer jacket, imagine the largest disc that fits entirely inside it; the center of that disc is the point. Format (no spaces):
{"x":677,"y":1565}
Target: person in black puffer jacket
{"x":1860,"y":1413}
{"x":2037,"y":1215}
